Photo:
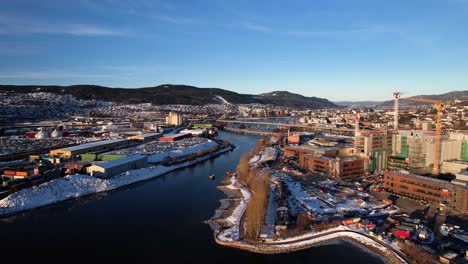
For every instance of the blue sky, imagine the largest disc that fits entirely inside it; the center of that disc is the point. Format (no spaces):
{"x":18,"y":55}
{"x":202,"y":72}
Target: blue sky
{"x":339,"y":50}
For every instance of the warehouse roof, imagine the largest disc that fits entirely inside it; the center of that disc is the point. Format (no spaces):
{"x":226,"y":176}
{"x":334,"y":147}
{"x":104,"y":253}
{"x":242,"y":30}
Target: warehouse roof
{"x":174,"y":135}
{"x":93,"y":144}
{"x":117,"y":162}
{"x":147,"y":135}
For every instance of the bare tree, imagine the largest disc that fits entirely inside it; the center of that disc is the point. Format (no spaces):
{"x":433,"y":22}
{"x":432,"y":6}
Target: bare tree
{"x":257,"y":207}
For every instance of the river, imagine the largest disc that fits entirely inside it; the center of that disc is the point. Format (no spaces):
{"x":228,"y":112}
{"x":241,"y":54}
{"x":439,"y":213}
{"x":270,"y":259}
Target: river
{"x":160,"y":219}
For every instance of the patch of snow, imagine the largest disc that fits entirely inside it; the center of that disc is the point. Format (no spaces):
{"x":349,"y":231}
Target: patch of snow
{"x":224,"y":101}
{"x":232,"y":233}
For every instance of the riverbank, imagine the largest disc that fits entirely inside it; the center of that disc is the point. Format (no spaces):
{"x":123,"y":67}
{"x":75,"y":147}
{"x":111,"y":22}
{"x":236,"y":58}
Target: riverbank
{"x":75,"y":186}
{"x":226,"y":227}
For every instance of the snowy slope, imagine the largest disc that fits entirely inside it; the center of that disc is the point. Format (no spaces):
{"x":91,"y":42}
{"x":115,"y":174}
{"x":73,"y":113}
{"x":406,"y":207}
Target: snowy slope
{"x":224,"y":101}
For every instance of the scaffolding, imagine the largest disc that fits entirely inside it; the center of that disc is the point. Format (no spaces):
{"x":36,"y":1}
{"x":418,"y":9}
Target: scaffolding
{"x":417,"y":155}
{"x":464,"y":153}
{"x":404,"y":152}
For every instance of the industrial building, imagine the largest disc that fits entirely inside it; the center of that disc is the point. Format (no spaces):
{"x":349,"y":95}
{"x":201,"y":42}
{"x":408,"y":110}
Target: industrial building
{"x":195,"y":132}
{"x":454,"y":194}
{"x":174,"y":119}
{"x":99,"y":146}
{"x":174,"y":137}
{"x":111,"y":168}
{"x":101,"y":157}
{"x":146,"y":137}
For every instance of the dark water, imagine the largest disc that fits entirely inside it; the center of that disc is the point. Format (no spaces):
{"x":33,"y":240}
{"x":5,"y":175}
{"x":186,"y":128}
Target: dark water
{"x":149,"y":222}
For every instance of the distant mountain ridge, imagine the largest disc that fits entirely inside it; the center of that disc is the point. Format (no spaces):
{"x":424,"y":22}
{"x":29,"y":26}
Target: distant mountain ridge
{"x":358,"y":103}
{"x":450,"y":96}
{"x":173,"y":94}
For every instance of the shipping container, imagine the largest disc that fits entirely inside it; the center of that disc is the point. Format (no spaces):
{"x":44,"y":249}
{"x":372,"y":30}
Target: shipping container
{"x":402,"y":234}
{"x":7,"y":172}
{"x":21,"y":173}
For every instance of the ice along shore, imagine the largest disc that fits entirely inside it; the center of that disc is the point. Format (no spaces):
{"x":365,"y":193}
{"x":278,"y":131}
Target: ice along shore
{"x":75,"y":186}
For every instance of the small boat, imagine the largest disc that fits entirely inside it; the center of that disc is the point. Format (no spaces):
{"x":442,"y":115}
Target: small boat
{"x":212,"y":177}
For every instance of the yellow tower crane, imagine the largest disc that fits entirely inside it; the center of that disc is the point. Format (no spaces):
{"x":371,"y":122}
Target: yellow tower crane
{"x":438,"y":105}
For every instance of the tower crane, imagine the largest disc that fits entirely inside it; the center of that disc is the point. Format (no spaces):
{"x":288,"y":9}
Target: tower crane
{"x":438,"y":104}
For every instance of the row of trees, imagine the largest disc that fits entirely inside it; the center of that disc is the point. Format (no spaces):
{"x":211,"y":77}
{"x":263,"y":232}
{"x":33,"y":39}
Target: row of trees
{"x":257,"y":181}
{"x":258,"y":204}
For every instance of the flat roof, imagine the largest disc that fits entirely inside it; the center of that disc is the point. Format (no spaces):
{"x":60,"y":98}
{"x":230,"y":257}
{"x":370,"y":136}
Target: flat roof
{"x":174,"y":135}
{"x":456,"y":161}
{"x":147,"y":135}
{"x":93,"y":144}
{"x":314,"y":147}
{"x":421,"y":178}
{"x":117,"y":162}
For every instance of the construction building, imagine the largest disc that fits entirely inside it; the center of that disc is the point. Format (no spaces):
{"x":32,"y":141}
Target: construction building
{"x":174,"y":119}
{"x":374,"y":146}
{"x":453,"y":194}
{"x":111,"y":168}
{"x":414,"y":149}
{"x":99,"y":146}
{"x":146,"y":137}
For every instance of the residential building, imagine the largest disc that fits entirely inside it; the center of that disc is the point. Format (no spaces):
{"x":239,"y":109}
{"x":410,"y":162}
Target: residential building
{"x":174,"y":119}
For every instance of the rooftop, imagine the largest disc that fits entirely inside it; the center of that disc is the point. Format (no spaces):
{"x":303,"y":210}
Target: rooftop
{"x":93,"y":144}
{"x":174,"y":135}
{"x":419,"y":177}
{"x":148,"y":135}
{"x":117,"y":162}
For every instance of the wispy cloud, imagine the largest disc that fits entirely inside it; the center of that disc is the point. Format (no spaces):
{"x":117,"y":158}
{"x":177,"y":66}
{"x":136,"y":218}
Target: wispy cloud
{"x":372,"y":29}
{"x":51,"y":74}
{"x":11,"y":24}
{"x":90,"y":72}
{"x":257,"y":27}
{"x":177,"y":19}
{"x":364,"y":30}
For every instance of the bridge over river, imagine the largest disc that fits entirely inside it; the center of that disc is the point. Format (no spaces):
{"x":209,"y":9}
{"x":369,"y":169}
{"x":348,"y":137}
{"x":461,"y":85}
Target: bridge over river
{"x":315,"y":129}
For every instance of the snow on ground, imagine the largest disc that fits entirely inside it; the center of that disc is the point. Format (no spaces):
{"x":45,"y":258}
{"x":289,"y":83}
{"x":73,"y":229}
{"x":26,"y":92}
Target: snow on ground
{"x":323,"y":236}
{"x":77,"y":185}
{"x":266,"y":155}
{"x":222,"y":99}
{"x":269,"y":154}
{"x":232,"y":233}
{"x":311,"y":203}
{"x":182,"y":152}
